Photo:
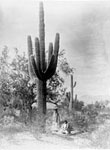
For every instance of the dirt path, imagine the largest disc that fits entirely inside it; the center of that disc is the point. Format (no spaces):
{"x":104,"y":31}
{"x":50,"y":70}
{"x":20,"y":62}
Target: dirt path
{"x":19,"y":138}
{"x":26,"y":141}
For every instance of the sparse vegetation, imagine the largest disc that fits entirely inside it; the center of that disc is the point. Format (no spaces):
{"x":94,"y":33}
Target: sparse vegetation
{"x":18,"y":94}
{"x":34,"y":80}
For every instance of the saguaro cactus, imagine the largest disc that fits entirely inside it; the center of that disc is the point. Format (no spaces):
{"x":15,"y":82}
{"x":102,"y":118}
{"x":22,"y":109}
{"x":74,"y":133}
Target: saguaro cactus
{"x":72,"y":92}
{"x":76,"y":98}
{"x":38,"y":66}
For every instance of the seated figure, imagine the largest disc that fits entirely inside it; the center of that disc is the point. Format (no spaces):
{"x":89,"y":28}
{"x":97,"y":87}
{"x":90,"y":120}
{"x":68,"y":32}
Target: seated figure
{"x":64,"y":127}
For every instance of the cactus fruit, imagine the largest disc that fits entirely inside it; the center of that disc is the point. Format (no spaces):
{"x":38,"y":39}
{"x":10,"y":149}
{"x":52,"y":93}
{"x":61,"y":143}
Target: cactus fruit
{"x":38,"y":67}
{"x":72,"y":93}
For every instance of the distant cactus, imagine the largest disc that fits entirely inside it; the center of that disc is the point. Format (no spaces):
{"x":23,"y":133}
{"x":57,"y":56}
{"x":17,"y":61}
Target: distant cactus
{"x":68,"y":96}
{"x":38,"y":66}
{"x":72,"y":93}
{"x":76,"y":98}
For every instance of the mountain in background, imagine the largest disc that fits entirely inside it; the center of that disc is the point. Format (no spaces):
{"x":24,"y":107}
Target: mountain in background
{"x":92,"y":99}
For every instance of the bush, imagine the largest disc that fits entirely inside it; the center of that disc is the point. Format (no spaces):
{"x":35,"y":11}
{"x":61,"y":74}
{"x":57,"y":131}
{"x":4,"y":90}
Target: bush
{"x":83,"y":120}
{"x":1,"y":110}
{"x":78,"y":105}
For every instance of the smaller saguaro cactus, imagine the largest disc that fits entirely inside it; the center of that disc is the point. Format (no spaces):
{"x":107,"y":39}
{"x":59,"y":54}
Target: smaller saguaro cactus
{"x":76,"y":98}
{"x":68,"y":96}
{"x":72,"y":93}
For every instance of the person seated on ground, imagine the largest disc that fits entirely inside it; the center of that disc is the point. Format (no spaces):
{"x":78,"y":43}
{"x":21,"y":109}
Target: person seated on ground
{"x":64,"y":127}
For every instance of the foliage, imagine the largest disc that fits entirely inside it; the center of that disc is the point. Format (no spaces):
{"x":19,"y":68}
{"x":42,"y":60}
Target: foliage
{"x":83,"y":118}
{"x":54,"y":87}
{"x":21,"y":88}
{"x":63,"y":64}
{"x":17,"y":91}
{"x":78,"y":105}
{"x":5,"y":80}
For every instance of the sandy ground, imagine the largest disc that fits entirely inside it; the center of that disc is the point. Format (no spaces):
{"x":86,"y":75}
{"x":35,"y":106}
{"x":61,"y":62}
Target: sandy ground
{"x":26,"y":141}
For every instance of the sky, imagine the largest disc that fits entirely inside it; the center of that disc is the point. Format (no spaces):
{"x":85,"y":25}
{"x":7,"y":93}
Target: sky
{"x":84,"y":28}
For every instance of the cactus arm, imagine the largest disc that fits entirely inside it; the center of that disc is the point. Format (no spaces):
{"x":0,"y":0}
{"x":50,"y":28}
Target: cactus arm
{"x":37,"y":72}
{"x":50,"y":52}
{"x":74,"y":84}
{"x":37,"y":55}
{"x":37,"y":51}
{"x":56,"y":45}
{"x":30,"y":52}
{"x":49,"y":75}
{"x":53,"y":63}
{"x":42,"y":37}
{"x":51,"y":68}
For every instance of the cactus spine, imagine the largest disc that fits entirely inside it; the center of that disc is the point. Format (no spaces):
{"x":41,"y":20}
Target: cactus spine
{"x":72,"y":93}
{"x":38,"y":67}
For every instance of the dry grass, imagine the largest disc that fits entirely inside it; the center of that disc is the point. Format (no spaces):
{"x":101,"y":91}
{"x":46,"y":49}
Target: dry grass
{"x":101,"y":137}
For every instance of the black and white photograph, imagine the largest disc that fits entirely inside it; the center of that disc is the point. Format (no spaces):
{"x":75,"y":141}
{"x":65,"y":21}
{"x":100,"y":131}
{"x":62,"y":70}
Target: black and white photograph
{"x":54,"y":74}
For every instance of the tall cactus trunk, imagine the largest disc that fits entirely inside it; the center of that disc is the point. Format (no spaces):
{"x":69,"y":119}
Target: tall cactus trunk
{"x":71,"y":95}
{"x":41,"y":97}
{"x":42,"y":84}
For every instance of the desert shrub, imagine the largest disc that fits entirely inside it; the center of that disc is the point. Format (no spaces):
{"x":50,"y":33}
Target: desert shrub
{"x":83,"y":120}
{"x":78,"y":105}
{"x":80,"y":122}
{"x":49,"y":121}
{"x":1,"y":110}
{"x":38,"y":125}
